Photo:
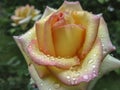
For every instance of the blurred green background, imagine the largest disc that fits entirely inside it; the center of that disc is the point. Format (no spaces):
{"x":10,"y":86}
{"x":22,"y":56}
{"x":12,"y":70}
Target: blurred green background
{"x":13,"y":69}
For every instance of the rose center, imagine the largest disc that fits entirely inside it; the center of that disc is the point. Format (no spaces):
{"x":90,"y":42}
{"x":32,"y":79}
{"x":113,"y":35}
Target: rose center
{"x":68,"y":37}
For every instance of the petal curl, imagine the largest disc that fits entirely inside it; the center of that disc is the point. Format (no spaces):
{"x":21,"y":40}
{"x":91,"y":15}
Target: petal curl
{"x":40,"y":34}
{"x":24,"y":40}
{"x":51,"y":83}
{"x":110,"y":63}
{"x":104,"y":36}
{"x":42,"y":70}
{"x":44,"y":35}
{"x":48,"y":37}
{"x":42,"y":59}
{"x":84,"y":72}
{"x":47,"y":12}
{"x":70,"y":6}
{"x":91,"y":23}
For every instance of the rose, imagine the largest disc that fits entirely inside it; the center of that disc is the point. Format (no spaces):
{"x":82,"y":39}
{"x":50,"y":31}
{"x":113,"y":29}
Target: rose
{"x":24,"y":14}
{"x":66,"y":46}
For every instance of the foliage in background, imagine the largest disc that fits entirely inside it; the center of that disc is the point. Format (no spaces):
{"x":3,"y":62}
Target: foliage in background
{"x":13,"y":70}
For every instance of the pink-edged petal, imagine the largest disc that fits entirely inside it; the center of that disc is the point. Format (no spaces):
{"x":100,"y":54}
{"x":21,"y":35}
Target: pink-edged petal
{"x":41,"y":83}
{"x":40,"y":58}
{"x":83,"y":73}
{"x":23,"y":41}
{"x":103,"y":34}
{"x":51,"y":83}
{"x":70,"y":6}
{"x":91,"y":23}
{"x":20,"y":45}
{"x":47,"y":12}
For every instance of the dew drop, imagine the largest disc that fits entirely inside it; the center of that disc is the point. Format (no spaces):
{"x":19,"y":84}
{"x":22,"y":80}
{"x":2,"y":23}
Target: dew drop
{"x":30,"y":46}
{"x":58,"y":57}
{"x":73,"y":79}
{"x":94,"y":71}
{"x":77,"y":74}
{"x":72,"y":82}
{"x":103,"y":45}
{"x":48,"y":55}
{"x":76,"y":82}
{"x":104,"y":52}
{"x":93,"y":66}
{"x":49,"y":89}
{"x":94,"y":55}
{"x":41,"y":84}
{"x":90,"y":61}
{"x":85,"y":76}
{"x":94,"y":75}
{"x":52,"y":58}
{"x":57,"y":85}
{"x":68,"y":77}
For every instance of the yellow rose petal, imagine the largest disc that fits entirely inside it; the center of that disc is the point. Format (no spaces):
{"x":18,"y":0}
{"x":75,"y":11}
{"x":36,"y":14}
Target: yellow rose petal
{"x":90,"y":22}
{"x":42,"y":59}
{"x":47,"y":12}
{"x":70,"y":6}
{"x":104,"y":36}
{"x":84,"y":72}
{"x":68,"y":39}
{"x":40,"y":35}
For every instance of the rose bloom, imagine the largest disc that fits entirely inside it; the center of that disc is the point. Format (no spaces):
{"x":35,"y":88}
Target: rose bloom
{"x":65,"y":47}
{"x":24,"y":14}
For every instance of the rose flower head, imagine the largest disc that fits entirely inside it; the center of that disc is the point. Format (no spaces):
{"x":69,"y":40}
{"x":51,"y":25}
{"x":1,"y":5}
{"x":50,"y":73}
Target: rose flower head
{"x":66,"y":46}
{"x":24,"y":14}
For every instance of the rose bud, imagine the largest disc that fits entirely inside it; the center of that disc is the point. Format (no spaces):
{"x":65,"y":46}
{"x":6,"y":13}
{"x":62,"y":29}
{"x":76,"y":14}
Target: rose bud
{"x":24,"y":14}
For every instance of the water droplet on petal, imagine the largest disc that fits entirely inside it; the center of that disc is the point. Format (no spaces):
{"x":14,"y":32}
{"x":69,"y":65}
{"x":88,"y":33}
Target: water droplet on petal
{"x":103,"y":45}
{"x":73,"y":79}
{"x":58,"y":57}
{"x":52,"y":58}
{"x":57,"y":85}
{"x":72,"y":82}
{"x":41,"y":84}
{"x":85,"y":76}
{"x":76,"y":81}
{"x":49,"y":89}
{"x":48,"y":55}
{"x":94,"y":55}
{"x":104,"y":52}
{"x":93,"y":66}
{"x":90,"y":61}
{"x":68,"y":77}
{"x":94,"y":71}
{"x":94,"y":75}
{"x":77,"y":74}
